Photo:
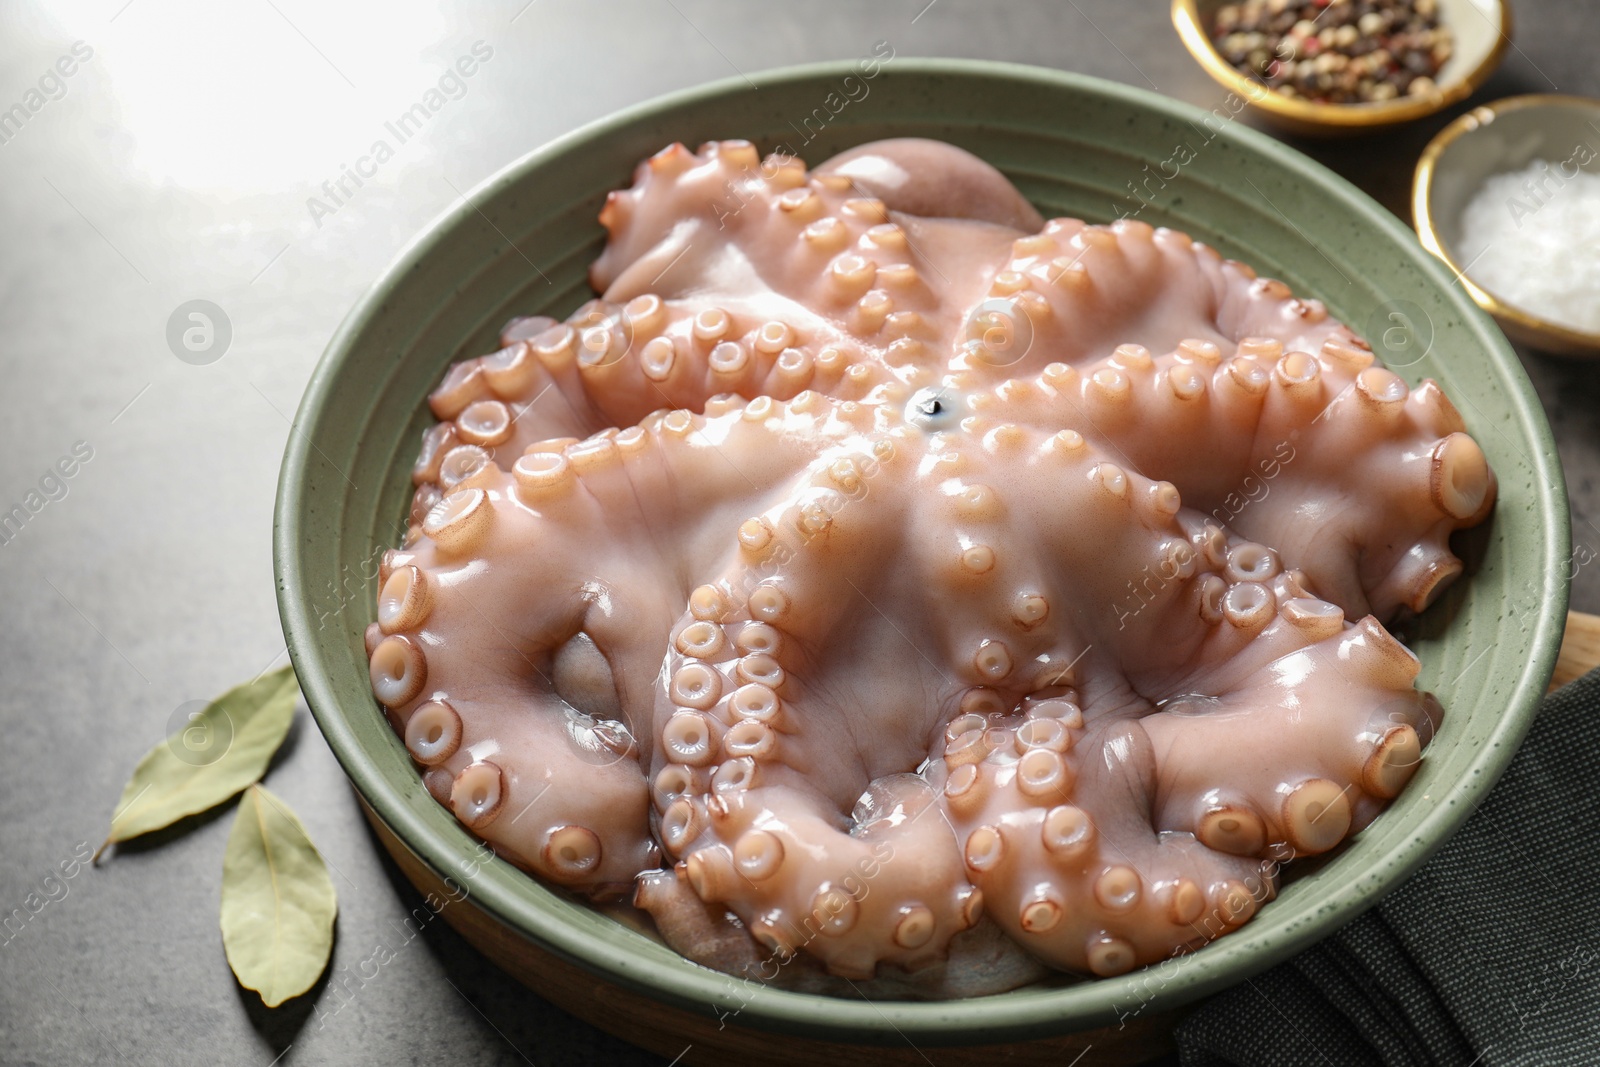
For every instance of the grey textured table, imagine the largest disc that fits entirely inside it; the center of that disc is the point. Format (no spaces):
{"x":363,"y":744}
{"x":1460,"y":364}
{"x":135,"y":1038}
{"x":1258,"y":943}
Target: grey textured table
{"x":175,"y":163}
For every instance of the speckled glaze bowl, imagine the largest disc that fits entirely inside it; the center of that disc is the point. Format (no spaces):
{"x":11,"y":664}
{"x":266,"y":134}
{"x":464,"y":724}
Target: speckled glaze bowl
{"x":520,"y":243}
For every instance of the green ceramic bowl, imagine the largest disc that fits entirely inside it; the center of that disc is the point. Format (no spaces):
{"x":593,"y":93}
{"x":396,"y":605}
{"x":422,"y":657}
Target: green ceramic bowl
{"x":1078,"y":146}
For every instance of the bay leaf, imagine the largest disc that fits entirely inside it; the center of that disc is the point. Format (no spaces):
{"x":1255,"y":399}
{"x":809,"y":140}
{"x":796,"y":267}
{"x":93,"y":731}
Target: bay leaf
{"x":278,"y":902}
{"x":223,"y":749}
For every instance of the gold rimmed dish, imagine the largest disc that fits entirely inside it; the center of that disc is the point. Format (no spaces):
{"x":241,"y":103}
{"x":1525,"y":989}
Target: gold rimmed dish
{"x":1482,"y":33}
{"x":1490,"y":140}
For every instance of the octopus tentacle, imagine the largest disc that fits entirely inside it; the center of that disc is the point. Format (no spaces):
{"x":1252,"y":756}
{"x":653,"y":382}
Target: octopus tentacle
{"x":1078,"y":290}
{"x":562,"y":790}
{"x":1357,"y":729}
{"x":1376,"y":448}
{"x":916,"y":176}
{"x":829,"y":256}
{"x":1066,"y":863}
{"x":696,"y":929}
{"x":463,"y":676}
{"x":1343,"y":429}
{"x":688,"y":212}
{"x":611,"y":365}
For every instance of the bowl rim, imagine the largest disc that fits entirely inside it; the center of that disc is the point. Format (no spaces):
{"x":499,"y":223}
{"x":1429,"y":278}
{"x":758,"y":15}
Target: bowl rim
{"x":1428,"y":228}
{"x":1019,"y":1015}
{"x":1186,"y":19}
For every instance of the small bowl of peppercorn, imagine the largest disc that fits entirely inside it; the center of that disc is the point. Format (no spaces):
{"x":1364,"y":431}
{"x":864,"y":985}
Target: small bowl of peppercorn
{"x":1323,"y":67}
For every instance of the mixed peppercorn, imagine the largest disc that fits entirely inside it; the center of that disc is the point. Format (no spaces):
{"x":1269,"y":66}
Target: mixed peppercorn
{"x":1336,"y":51}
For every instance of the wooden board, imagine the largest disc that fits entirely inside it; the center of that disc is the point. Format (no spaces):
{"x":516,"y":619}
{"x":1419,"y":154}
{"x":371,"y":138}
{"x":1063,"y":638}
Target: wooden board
{"x":1580,"y":648}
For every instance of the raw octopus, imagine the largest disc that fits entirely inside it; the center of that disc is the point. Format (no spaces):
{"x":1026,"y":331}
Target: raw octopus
{"x":882,"y":575}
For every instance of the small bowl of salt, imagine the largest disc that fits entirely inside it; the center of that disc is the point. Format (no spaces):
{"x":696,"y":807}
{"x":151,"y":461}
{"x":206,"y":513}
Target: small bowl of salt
{"x":1508,"y":195}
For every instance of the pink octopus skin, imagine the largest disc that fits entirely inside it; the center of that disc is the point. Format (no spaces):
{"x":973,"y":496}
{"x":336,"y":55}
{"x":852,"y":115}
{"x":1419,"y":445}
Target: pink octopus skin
{"x":876,"y":566}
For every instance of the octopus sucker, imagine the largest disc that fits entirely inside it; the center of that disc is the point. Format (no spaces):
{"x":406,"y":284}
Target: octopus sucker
{"x":478,"y":794}
{"x":1316,"y":815}
{"x":879,"y":576}
{"x":464,"y":384}
{"x":1459,"y":481}
{"x":1392,"y":762}
{"x":512,"y":370}
{"x":433,"y":733}
{"x":404,"y":600}
{"x":399,"y":670}
{"x":571,"y":852}
{"x":460,"y":521}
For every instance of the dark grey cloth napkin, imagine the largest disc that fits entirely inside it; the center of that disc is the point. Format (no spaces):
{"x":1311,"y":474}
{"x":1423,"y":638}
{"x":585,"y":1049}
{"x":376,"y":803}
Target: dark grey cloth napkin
{"x":1489,"y":956}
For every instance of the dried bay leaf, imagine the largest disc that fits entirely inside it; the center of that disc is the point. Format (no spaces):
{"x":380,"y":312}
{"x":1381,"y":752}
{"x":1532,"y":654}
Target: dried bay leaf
{"x":223,"y":749}
{"x":278,"y":903}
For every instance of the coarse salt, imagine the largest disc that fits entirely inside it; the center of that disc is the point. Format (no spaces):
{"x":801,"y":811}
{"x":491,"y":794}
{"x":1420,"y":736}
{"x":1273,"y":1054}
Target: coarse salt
{"x":1532,"y":237}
